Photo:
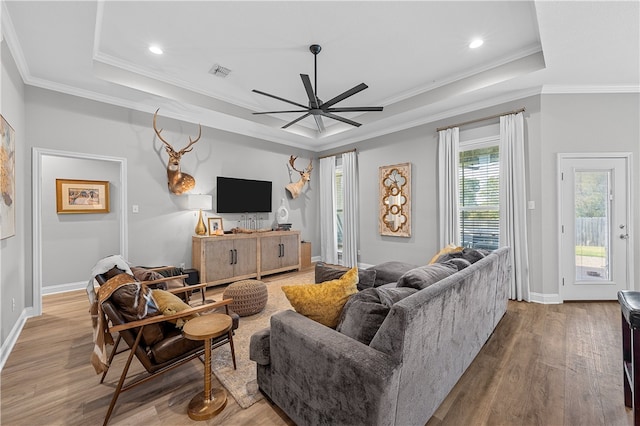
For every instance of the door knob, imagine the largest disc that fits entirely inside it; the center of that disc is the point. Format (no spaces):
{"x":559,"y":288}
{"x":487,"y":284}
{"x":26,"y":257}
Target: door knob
{"x":624,"y":236}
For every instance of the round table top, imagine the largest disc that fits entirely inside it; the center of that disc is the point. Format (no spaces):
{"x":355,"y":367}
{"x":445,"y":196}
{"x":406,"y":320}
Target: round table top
{"x":207,"y":326}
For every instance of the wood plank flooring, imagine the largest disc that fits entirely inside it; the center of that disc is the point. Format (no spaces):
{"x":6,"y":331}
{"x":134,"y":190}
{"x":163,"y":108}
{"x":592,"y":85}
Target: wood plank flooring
{"x":544,"y":365}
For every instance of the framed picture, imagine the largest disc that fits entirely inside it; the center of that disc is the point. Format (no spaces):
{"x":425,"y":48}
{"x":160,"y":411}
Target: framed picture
{"x":82,"y":196}
{"x":215,"y":226}
{"x":7,"y":180}
{"x":394,"y":218}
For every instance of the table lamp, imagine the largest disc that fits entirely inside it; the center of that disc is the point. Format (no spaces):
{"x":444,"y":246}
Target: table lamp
{"x":200,"y":202}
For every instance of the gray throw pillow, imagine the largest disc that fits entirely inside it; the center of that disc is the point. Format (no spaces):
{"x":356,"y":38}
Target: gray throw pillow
{"x":459,"y":263}
{"x":365,"y":311}
{"x":390,"y":272}
{"x":327,"y":272}
{"x":424,"y":276}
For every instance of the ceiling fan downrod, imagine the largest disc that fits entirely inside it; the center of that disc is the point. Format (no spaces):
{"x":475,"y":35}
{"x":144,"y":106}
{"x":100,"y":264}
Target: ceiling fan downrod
{"x":315,"y":49}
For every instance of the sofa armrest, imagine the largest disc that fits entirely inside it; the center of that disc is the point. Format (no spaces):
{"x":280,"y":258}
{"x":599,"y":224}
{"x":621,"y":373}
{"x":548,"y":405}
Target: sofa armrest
{"x":259,"y":347}
{"x":320,"y":376}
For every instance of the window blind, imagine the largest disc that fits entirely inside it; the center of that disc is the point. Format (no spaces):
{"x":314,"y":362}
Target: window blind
{"x":479,"y":203}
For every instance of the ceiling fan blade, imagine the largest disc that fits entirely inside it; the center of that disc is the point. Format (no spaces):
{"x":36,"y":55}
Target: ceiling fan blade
{"x":279,"y":112}
{"x":344,"y":120}
{"x":306,"y":81}
{"x":296,"y":120}
{"x":319,"y":123}
{"x":359,"y":88}
{"x":279,"y":98}
{"x":354,"y":109}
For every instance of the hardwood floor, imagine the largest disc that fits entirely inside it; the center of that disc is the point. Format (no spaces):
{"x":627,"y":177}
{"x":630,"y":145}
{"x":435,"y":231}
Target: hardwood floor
{"x":544,"y":365}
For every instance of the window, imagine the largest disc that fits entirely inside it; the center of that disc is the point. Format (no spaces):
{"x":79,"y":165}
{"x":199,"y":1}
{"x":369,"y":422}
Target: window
{"x":339,"y":204}
{"x":479,"y":205}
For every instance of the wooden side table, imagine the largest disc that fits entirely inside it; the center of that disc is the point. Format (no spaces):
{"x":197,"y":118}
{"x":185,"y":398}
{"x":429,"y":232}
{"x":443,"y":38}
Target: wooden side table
{"x":205,"y":405}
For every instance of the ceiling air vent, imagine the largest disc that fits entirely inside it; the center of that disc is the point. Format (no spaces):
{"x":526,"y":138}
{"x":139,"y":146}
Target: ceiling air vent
{"x":219,"y":71}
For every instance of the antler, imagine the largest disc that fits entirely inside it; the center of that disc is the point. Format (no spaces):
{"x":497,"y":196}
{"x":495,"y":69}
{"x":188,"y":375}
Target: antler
{"x":292,"y":160}
{"x":155,"y":128}
{"x":184,"y":150}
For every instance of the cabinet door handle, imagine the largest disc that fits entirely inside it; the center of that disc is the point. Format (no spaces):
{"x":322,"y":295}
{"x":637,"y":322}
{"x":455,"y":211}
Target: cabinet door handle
{"x":235,"y":253}
{"x":282,"y":250}
{"x":231,"y":257}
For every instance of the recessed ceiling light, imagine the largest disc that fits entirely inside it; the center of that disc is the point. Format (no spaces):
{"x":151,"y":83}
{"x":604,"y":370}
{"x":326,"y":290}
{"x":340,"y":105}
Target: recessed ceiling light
{"x":476,"y":43}
{"x":155,"y":49}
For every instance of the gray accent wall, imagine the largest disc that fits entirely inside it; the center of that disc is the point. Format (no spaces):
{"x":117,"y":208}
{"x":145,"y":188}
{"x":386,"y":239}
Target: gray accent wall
{"x":70,"y":242}
{"x":15,"y":275}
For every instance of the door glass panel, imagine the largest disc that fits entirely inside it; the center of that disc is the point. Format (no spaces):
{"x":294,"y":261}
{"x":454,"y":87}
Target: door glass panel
{"x":592,"y":237}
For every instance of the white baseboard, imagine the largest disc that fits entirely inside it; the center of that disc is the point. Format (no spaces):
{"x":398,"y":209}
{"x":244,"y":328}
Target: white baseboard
{"x":12,"y":338}
{"x":316,"y":259}
{"x":364,"y":265}
{"x":62,"y":288}
{"x":546,"y":299}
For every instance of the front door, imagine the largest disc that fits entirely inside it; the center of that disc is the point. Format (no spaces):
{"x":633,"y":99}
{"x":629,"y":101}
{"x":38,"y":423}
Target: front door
{"x":594,"y":235}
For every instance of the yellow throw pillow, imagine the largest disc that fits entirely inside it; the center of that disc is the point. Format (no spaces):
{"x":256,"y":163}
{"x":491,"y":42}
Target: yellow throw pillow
{"x":323,"y":302}
{"x":450,"y":248}
{"x":169,"y":304}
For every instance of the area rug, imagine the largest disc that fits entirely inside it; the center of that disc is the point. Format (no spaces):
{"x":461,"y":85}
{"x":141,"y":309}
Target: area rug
{"x":241,"y":383}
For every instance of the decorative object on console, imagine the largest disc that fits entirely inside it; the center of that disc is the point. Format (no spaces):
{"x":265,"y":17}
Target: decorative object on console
{"x":215,"y":226}
{"x":282,"y":214}
{"x":82,"y":196}
{"x":316,"y":107}
{"x":305,"y":176}
{"x":200,"y":202}
{"x":7,"y":180}
{"x":177,"y":181}
{"x":395,"y":200}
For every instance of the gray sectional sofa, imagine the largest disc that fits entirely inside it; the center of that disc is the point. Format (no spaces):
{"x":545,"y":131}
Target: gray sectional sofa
{"x":426,"y":341}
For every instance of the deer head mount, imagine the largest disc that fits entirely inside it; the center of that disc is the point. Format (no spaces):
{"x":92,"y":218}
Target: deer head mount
{"x":305,"y":175}
{"x":177,"y":181}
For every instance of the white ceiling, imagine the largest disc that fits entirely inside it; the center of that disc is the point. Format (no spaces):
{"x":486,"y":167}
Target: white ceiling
{"x":414,"y":56}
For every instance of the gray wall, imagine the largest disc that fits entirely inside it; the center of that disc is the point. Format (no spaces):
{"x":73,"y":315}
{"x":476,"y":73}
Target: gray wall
{"x":553,"y":124}
{"x":15,"y":277}
{"x":161,"y":232}
{"x":70,"y":240}
{"x":581,"y":123}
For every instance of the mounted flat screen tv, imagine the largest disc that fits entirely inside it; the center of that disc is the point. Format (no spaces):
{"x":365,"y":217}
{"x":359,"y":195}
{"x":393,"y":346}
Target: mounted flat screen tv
{"x":243,"y":195}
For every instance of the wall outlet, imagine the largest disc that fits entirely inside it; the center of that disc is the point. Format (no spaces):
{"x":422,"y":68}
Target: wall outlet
{"x":135,"y":208}
{"x":182,"y":265}
{"x":13,"y":304}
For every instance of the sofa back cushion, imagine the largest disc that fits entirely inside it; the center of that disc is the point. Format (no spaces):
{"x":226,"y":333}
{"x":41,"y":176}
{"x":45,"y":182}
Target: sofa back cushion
{"x":364,"y":312}
{"x":423,"y":276}
{"x":390,"y":272}
{"x":327,"y":272}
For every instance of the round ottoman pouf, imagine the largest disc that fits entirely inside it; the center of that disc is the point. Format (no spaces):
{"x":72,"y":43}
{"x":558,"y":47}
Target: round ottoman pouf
{"x":249,"y":297}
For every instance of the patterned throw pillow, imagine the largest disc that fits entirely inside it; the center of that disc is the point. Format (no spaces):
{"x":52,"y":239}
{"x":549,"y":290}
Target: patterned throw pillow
{"x":323,"y":302}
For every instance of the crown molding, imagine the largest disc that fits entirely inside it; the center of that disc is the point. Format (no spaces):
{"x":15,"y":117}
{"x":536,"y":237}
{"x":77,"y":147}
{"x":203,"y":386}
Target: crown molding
{"x":10,"y":35}
{"x":557,"y":89}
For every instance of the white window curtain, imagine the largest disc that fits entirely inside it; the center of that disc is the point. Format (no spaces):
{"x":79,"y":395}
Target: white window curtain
{"x":448,"y":186}
{"x":513,"y":202}
{"x":328,"y":232}
{"x":350,"y":226}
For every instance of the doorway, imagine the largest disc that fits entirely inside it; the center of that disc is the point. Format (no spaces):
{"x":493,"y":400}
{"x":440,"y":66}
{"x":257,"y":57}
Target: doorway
{"x":595,"y":212}
{"x":40,"y":156}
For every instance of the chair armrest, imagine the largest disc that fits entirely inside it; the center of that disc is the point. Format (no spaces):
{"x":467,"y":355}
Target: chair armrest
{"x":320,"y":369}
{"x":165,"y":279}
{"x":163,"y":318}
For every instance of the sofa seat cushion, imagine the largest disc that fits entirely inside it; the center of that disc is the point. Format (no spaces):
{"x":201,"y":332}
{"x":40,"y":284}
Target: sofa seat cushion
{"x":327,"y":272}
{"x":364,"y":313}
{"x":423,"y":276}
{"x":323,"y":302}
{"x":390,"y":272}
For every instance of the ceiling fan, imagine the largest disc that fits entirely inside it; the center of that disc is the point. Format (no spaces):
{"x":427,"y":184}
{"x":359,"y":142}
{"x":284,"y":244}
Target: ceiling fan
{"x":316,"y":107}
